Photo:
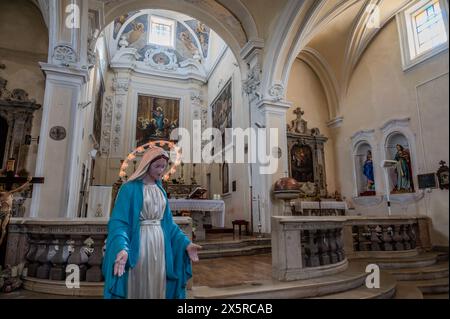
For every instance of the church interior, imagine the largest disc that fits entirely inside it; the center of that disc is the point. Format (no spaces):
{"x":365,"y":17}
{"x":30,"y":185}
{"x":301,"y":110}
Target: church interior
{"x":356,"y":91}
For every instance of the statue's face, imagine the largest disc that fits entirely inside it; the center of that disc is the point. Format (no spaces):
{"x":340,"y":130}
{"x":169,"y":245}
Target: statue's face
{"x":399,"y":148}
{"x":157,"y":168}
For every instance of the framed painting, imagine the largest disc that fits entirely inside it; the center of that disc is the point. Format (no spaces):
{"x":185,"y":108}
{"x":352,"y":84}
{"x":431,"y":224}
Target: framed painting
{"x":156,"y":118}
{"x":302,"y":163}
{"x":100,"y":92}
{"x":225,"y":179}
{"x":221,"y":110}
{"x":427,"y":180}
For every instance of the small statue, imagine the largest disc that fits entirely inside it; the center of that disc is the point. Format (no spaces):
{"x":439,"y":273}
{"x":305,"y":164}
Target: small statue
{"x":368,"y":171}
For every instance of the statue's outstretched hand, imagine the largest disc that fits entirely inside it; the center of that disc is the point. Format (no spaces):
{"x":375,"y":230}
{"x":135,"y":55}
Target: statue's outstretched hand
{"x":119,"y":264}
{"x":192,"y":250}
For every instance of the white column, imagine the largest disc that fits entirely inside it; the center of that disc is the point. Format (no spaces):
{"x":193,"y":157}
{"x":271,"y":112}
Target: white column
{"x":66,"y":77}
{"x":274,"y":116}
{"x":57,"y":160}
{"x":120,"y":87}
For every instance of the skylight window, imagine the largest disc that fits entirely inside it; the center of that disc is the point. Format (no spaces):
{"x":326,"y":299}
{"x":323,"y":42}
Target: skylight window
{"x":162,"y":31}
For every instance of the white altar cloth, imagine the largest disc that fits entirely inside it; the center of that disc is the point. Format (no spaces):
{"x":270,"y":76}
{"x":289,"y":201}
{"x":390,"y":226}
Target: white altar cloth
{"x":216,"y":207}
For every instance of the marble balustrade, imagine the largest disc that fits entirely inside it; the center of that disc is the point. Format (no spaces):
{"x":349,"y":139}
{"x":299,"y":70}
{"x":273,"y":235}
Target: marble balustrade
{"x":47,"y":247}
{"x":309,"y":247}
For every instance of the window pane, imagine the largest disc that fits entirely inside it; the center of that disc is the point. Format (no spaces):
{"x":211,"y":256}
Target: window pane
{"x":161,"y":32}
{"x":430,"y":28}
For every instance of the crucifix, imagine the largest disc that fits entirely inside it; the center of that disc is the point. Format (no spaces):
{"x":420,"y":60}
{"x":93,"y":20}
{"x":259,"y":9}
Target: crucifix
{"x":9,"y":180}
{"x":6,"y":196}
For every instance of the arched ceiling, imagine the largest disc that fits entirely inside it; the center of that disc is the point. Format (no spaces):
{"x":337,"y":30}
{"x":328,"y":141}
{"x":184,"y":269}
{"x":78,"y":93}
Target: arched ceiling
{"x":230,"y":19}
{"x":336,"y":36}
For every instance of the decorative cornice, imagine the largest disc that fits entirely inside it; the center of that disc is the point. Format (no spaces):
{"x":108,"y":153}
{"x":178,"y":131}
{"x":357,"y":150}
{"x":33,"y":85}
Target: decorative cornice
{"x":363,"y":134}
{"x":69,"y":72}
{"x":336,"y":122}
{"x":404,"y":122}
{"x":273,"y":106}
{"x":250,"y":47}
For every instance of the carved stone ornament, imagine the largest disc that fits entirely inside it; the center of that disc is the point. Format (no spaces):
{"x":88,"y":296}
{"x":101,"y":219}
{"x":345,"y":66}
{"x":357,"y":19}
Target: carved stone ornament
{"x":58,"y":133}
{"x":65,"y":53}
{"x":277,"y":92}
{"x":120,"y":86}
{"x":161,"y":59}
{"x":252,"y":84}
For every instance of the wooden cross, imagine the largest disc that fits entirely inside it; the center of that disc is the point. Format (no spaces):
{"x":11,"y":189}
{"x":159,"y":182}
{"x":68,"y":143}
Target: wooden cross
{"x":9,"y":180}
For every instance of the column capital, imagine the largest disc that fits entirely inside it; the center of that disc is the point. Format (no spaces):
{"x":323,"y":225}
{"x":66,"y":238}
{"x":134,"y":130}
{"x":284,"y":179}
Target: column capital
{"x":251,"y":49}
{"x":69,"y":74}
{"x":273,"y":106}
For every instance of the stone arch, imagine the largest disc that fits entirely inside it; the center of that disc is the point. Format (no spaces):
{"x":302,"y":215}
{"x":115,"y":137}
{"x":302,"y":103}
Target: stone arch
{"x":326,"y":77}
{"x":235,"y":29}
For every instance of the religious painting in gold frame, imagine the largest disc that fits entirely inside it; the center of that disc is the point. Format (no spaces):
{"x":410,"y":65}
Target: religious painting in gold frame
{"x":156,"y":118}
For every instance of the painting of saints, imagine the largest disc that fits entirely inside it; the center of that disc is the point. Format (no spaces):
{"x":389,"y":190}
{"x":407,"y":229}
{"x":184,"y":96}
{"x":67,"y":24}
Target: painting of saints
{"x":225,"y":179}
{"x":404,"y":183}
{"x":302,"y":164}
{"x":156,"y":118}
{"x":221,"y":110}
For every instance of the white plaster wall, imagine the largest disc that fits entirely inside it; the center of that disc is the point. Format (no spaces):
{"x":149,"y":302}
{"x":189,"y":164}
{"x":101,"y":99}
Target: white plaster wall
{"x":380,"y":91}
{"x":237,"y":203}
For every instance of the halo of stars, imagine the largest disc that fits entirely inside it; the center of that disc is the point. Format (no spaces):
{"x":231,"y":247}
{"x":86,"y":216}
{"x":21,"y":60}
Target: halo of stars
{"x":139,"y":151}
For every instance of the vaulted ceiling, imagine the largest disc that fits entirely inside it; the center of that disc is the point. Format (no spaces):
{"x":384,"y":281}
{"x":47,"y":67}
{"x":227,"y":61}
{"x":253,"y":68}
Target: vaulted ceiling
{"x":337,"y":36}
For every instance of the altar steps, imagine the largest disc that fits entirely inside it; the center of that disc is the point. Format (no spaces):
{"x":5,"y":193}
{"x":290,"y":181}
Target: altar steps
{"x":426,"y":272}
{"x":436,"y":271}
{"x":238,"y":247}
{"x":348,"y":284}
{"x":398,"y":262}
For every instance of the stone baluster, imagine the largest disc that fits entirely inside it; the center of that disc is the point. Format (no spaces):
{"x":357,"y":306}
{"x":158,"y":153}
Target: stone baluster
{"x":333,"y":246}
{"x":398,"y":239}
{"x":386,"y":238}
{"x":412,"y":236}
{"x":305,"y":256}
{"x":312,"y":249}
{"x":94,"y":273}
{"x":364,"y":244}
{"x":406,"y":239}
{"x":78,"y":256}
{"x":31,"y":256}
{"x":339,"y":244}
{"x":43,"y":271}
{"x":355,"y":238}
{"x":374,"y":240}
{"x":59,"y":260}
{"x":323,"y":248}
